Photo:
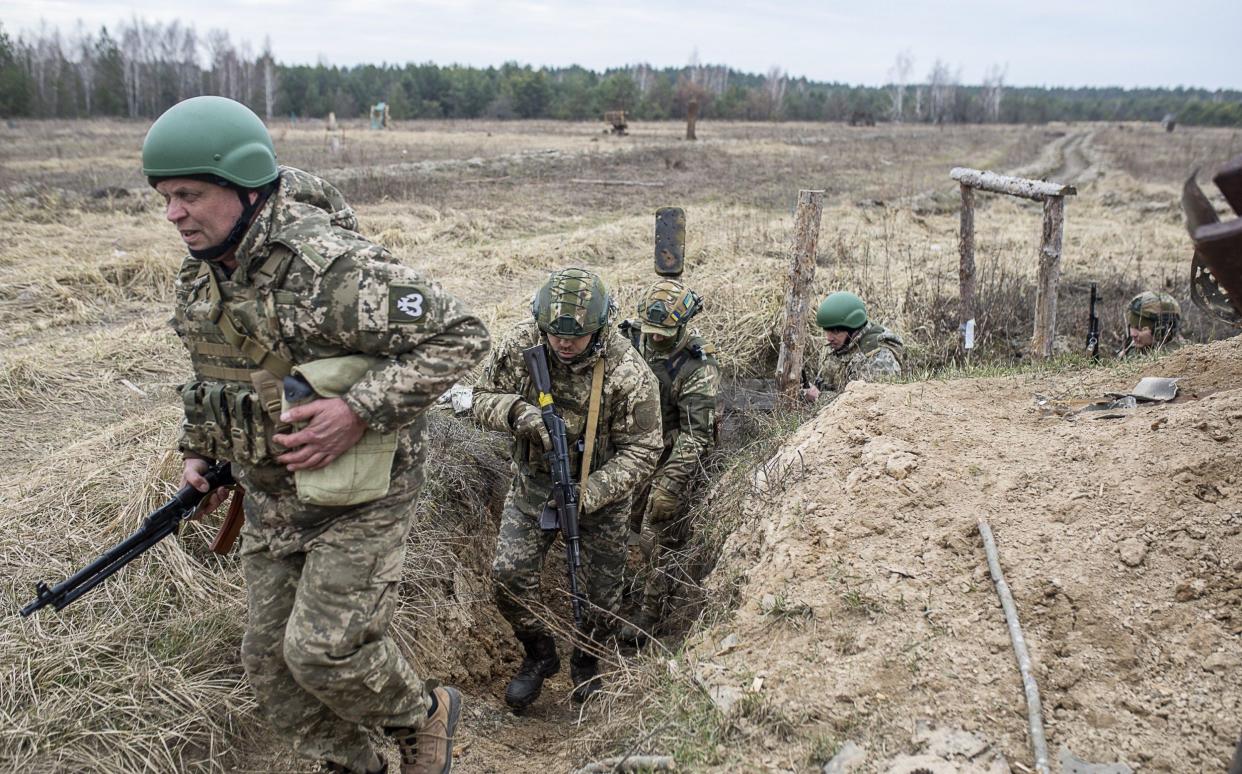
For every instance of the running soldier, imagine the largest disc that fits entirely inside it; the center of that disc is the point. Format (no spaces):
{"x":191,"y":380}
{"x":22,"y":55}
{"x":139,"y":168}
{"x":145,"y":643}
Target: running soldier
{"x":281,"y":295}
{"x":571,"y":314}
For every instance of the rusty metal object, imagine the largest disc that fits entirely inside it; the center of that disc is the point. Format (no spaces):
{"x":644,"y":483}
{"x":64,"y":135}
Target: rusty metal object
{"x":1229,"y":180}
{"x":1216,"y":268}
{"x":670,"y":241}
{"x":617,"y":119}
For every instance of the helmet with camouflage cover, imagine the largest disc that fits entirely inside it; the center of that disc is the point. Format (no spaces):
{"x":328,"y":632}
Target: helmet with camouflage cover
{"x":666,"y":306}
{"x":1156,"y":310}
{"x":841,"y":310}
{"x":573,"y":302}
{"x":210,"y":137}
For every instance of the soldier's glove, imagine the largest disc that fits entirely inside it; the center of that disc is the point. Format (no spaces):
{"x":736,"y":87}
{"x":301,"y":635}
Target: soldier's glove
{"x":527,"y":422}
{"x":662,"y":506}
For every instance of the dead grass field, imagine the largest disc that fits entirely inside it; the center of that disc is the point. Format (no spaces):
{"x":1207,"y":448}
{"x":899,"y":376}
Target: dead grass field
{"x":142,"y":675}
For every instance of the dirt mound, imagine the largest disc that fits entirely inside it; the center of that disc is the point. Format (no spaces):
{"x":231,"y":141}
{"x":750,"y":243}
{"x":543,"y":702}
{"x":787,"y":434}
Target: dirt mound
{"x":867,"y":615}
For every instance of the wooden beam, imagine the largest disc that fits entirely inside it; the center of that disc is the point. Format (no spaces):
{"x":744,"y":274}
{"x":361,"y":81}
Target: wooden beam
{"x":966,"y":267}
{"x":797,"y":298}
{"x":1038,"y":190}
{"x":1049,"y":277}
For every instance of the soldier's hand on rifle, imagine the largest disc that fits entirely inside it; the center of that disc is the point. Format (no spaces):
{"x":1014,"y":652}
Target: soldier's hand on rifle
{"x":332,"y":429}
{"x":527,"y":422}
{"x":661,"y":506}
{"x":810,"y":393}
{"x":192,"y":474}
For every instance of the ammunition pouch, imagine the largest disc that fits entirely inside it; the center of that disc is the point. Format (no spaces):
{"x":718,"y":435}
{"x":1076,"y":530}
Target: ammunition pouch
{"x":228,"y":421}
{"x":364,"y":471}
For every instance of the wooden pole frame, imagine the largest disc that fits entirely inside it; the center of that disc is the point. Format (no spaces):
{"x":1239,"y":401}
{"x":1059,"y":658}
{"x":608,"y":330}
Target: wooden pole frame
{"x":1053,"y":196}
{"x":797,"y":298}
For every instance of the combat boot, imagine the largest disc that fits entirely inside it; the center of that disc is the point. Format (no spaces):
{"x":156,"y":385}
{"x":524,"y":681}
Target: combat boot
{"x":429,"y":750}
{"x":584,"y":671}
{"x":540,"y":663}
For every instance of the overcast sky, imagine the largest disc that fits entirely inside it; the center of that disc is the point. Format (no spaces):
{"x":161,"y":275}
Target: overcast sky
{"x":1040,"y":42}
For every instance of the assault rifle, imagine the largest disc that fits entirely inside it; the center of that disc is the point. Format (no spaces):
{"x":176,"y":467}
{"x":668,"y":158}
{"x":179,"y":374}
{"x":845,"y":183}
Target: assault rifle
{"x":1093,"y":328}
{"x":162,"y":522}
{"x":564,"y":488}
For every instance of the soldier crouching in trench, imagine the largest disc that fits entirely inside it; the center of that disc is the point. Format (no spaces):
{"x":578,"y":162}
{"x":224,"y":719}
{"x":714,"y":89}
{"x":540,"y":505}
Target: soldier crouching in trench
{"x":571,"y":314}
{"x":858,"y":349}
{"x":281,"y":295}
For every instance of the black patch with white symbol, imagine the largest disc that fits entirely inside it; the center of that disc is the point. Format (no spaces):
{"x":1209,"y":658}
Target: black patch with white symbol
{"x":406,"y":304}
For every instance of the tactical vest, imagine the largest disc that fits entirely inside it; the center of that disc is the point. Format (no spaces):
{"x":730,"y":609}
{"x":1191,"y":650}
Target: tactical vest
{"x":232,"y":405}
{"x":669,"y":371}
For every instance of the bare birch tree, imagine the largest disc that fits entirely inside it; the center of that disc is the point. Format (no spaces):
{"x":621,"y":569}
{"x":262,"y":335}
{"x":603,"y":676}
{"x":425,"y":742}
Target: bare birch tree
{"x":993,"y":86}
{"x":900,"y":74}
{"x":942,"y":84}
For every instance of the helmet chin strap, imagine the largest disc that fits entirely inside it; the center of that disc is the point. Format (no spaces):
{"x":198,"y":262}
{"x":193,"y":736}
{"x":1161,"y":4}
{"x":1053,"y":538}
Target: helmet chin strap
{"x":235,"y":235}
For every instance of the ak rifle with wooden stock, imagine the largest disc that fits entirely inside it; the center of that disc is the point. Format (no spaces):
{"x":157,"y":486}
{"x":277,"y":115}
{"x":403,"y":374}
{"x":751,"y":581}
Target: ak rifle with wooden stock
{"x":161,"y":523}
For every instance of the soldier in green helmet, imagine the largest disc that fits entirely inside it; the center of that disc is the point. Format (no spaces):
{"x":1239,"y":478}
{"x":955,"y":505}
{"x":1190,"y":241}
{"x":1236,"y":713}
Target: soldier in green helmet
{"x":857,"y":349}
{"x":1153,"y":321}
{"x":685,"y":365}
{"x":570,"y":314}
{"x":281,"y":295}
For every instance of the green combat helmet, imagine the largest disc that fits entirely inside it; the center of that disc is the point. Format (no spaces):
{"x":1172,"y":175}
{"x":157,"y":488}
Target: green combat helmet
{"x":220,"y":141}
{"x":666,"y":306}
{"x":841,"y":310}
{"x":210,"y":137}
{"x":572,"y":303}
{"x":1156,"y":310}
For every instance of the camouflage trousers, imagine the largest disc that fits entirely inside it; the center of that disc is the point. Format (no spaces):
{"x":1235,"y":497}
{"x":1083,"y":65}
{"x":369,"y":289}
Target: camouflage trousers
{"x":316,"y":647}
{"x":522,"y":547}
{"x":660,"y":539}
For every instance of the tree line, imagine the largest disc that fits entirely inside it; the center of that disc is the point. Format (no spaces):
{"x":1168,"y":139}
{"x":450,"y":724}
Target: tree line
{"x":141,"y":68}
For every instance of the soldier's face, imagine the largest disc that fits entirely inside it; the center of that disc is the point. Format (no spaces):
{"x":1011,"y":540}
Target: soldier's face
{"x":569,"y":348}
{"x":837,"y":338}
{"x":1142,"y":337}
{"x":204,"y":213}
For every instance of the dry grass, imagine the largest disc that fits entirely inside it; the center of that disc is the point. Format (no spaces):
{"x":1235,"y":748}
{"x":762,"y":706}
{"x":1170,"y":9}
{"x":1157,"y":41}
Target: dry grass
{"x":142,"y":675}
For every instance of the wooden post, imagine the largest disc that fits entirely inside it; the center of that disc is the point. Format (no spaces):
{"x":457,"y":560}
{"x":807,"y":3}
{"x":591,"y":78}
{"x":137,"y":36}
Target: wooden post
{"x":692,"y":117}
{"x":797,"y":299}
{"x":966,"y":269}
{"x":1049,"y":276}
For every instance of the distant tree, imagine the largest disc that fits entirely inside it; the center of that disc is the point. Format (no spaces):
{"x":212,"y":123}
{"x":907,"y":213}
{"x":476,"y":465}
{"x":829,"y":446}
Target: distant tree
{"x":993,"y":88}
{"x":900,"y":74}
{"x":528,"y":91}
{"x":15,"y":96}
{"x":109,"y":80}
{"x":942,"y":88}
{"x":618,"y":91}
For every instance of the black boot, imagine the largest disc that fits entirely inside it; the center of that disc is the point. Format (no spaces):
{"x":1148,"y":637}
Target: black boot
{"x":584,"y":671}
{"x":540,"y":663}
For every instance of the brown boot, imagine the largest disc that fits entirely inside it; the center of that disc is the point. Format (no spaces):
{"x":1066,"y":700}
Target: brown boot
{"x":429,"y":750}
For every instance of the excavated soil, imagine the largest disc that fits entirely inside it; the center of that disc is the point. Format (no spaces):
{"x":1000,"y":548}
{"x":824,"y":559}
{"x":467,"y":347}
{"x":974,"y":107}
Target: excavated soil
{"x":866,"y":612}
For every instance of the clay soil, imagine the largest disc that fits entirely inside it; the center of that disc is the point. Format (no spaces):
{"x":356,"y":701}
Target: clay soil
{"x":867,"y":612}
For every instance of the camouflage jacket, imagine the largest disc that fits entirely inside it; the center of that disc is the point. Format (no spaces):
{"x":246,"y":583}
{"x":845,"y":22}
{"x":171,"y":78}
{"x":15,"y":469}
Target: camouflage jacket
{"x":689,"y":379}
{"x":308,"y":286}
{"x":874,"y":354}
{"x":628,"y":442}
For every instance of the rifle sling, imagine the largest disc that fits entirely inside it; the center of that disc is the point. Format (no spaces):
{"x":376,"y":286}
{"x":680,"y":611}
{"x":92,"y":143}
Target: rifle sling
{"x":592,"y":422}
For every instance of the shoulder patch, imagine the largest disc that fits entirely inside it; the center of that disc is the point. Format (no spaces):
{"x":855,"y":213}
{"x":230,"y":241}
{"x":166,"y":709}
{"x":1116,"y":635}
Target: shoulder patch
{"x":406,"y":303}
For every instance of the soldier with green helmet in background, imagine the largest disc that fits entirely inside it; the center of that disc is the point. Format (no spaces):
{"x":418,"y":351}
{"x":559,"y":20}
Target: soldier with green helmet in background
{"x":857,"y":348}
{"x":1153,"y":321}
{"x":689,"y":376}
{"x":571,"y":313}
{"x":314,"y":355}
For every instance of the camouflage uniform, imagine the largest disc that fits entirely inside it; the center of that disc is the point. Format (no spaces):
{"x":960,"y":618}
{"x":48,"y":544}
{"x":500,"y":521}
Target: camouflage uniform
{"x":320,"y":580}
{"x":873,"y":354}
{"x":627,"y":446}
{"x":689,"y":378}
